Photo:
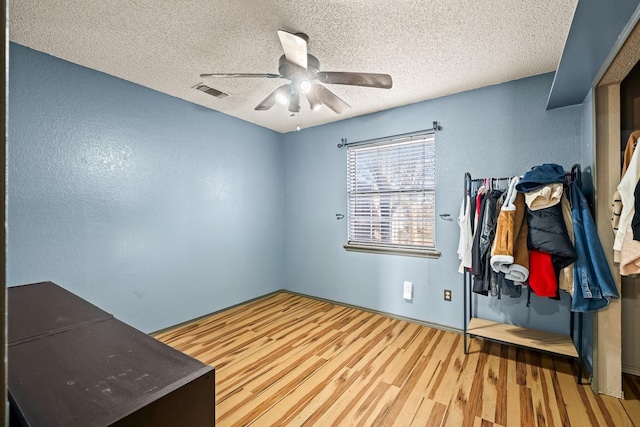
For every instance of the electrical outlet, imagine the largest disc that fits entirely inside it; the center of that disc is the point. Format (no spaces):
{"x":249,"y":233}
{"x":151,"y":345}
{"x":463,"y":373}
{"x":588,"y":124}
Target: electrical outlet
{"x":407,"y":291}
{"x":447,"y":295}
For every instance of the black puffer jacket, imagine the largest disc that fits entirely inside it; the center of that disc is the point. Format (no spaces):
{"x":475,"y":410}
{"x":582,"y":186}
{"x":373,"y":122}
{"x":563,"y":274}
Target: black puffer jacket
{"x":548,"y":233}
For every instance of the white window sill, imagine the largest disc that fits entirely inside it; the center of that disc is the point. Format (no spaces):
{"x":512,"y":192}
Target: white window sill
{"x":423,"y":253}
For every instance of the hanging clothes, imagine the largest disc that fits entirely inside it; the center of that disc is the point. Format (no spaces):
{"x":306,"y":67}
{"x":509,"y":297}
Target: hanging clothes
{"x":486,"y":232}
{"x":635,"y":221}
{"x":560,"y":247}
{"x":623,"y":210}
{"x":542,"y":278}
{"x":477,"y":264}
{"x":502,"y":250}
{"x":565,"y":279}
{"x":547,"y":233}
{"x":479,"y":198}
{"x":626,"y":188}
{"x":629,"y":149}
{"x":616,"y":211}
{"x":539,"y":176}
{"x":544,"y":197}
{"x":630,"y":256}
{"x":510,"y":254}
{"x":630,"y":250}
{"x":593,"y":281}
{"x":616,"y":203}
{"x":548,"y":236}
{"x":465,"y":242}
{"x":499,"y":284}
{"x":519,"y":270}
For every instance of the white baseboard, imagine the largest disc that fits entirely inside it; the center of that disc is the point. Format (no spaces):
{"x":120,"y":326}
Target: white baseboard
{"x":633,"y":370}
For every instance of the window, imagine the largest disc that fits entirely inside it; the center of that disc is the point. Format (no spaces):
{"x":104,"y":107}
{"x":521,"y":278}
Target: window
{"x":391,"y":191}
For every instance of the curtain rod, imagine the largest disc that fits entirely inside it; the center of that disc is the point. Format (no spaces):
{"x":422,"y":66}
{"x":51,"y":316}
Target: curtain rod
{"x":344,"y":143}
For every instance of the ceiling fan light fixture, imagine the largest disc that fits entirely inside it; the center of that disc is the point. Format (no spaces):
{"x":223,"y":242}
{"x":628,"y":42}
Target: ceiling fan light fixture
{"x":294,"y":102}
{"x":282,"y":95}
{"x":314,"y":102}
{"x":304,"y":86}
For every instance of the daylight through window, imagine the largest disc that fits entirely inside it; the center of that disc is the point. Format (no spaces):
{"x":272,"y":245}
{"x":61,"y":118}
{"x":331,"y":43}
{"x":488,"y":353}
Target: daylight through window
{"x":391,"y":190}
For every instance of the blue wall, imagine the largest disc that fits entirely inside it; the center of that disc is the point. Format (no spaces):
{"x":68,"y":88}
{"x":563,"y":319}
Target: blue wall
{"x":495,"y":131}
{"x":160,"y":211}
{"x":153,"y":208}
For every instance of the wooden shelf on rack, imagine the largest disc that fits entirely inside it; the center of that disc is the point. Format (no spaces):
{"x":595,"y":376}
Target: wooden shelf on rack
{"x":510,"y":334}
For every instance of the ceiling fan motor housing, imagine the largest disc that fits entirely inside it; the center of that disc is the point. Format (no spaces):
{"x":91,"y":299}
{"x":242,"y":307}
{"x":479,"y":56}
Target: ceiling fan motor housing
{"x":295,"y":73}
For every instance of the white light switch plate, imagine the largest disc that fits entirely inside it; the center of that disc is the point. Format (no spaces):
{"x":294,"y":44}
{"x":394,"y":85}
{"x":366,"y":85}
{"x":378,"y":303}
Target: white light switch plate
{"x":408,"y":290}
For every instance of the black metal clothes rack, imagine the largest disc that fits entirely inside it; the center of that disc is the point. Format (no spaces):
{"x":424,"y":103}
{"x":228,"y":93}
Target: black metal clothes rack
{"x":504,"y":333}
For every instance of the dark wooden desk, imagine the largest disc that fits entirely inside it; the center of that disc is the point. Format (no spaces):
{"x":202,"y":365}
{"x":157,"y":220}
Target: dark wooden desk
{"x":73,"y":364}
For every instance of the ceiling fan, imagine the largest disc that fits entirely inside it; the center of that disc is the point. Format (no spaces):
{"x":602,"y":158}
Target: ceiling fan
{"x":303,"y":69}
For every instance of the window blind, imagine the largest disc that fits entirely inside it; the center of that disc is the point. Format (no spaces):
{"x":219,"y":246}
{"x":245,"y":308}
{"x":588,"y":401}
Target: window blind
{"x":391,"y":192}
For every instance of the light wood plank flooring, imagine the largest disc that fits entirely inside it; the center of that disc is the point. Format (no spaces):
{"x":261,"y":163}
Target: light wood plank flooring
{"x":286,"y":360}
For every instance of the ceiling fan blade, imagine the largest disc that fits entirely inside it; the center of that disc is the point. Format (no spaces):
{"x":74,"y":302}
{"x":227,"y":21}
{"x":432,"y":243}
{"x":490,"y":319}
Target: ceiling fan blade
{"x":271,"y":100}
{"x":382,"y":81}
{"x":294,"y":47}
{"x":330,"y":99}
{"x":270,"y":76}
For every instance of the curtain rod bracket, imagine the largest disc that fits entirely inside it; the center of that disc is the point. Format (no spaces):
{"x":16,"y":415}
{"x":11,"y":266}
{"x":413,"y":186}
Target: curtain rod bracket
{"x":343,"y":142}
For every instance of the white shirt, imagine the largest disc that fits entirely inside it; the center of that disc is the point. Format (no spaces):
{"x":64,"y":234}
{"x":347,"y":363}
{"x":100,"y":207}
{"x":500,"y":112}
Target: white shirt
{"x":466,"y":238}
{"x":626,"y":188}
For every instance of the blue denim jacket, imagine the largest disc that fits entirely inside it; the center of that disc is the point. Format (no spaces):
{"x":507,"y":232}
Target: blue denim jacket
{"x":593,"y":282}
{"x":539,"y":176}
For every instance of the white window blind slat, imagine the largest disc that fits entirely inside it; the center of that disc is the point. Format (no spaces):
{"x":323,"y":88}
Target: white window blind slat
{"x":391,"y":191}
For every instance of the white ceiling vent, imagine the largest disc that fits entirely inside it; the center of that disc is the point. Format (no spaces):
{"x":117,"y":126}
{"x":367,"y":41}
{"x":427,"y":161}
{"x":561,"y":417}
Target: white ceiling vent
{"x":211,"y":91}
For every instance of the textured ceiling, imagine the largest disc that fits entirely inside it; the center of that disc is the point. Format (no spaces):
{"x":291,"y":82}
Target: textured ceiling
{"x":431,"y":48}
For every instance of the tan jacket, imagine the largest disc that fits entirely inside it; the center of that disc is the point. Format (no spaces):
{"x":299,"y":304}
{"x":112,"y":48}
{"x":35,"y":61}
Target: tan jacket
{"x":510,"y":253}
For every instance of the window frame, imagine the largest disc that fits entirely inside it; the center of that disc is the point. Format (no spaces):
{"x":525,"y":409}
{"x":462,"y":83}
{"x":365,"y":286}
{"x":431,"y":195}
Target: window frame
{"x":430,"y":170}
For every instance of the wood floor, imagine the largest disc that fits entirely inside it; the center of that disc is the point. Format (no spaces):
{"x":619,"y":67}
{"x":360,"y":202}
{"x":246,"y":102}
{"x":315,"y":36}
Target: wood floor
{"x":287,"y":360}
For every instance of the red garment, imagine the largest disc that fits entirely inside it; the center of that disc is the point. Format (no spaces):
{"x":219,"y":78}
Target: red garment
{"x":542,"y":276}
{"x":478,"y":203}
